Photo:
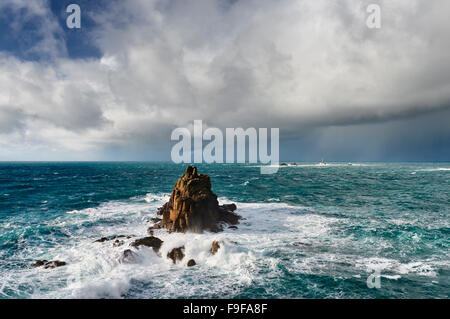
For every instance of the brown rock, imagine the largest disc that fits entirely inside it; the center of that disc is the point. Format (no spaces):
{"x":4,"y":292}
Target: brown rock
{"x":230,"y":207}
{"x":151,"y":241}
{"x":156,"y":226}
{"x":191,"y":263}
{"x":54,"y":264}
{"x":39,"y":263}
{"x":194,"y":207}
{"x":215,"y":247}
{"x":48,"y":264}
{"x":176,"y":254}
{"x":152,"y":228}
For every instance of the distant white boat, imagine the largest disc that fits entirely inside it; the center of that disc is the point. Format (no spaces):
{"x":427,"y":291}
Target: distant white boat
{"x":322,"y":163}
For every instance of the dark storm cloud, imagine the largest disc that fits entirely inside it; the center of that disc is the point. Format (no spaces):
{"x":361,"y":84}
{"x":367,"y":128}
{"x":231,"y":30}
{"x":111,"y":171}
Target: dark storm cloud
{"x":420,"y":138}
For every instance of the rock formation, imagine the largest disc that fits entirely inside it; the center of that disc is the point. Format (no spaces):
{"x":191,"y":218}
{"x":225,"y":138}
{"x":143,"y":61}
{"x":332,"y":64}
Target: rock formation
{"x":48,"y":264}
{"x":176,"y":254}
{"x":191,"y":263}
{"x":194,"y":207}
{"x":215,"y":247}
{"x":151,"y":241}
{"x":155,"y":219}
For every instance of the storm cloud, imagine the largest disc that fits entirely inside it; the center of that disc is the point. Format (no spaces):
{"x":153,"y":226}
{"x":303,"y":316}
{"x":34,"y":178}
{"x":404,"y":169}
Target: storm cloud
{"x":311,"y":68}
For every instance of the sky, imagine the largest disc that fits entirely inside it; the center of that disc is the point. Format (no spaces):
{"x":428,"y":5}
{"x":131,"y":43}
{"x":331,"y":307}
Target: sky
{"x":137,"y":69}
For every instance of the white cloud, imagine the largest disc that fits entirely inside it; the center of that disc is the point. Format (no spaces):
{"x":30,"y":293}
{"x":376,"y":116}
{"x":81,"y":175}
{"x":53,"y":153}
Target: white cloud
{"x":286,"y":64}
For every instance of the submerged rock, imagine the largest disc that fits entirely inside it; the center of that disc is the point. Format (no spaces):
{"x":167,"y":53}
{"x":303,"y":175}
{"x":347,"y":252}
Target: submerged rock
{"x":103,"y":239}
{"x":151,"y":241}
{"x":48,"y":264}
{"x":194,"y":207}
{"x":176,"y":254}
{"x":299,"y":244}
{"x":215,"y":247}
{"x":128,"y":256}
{"x":156,"y":226}
{"x":118,"y":243}
{"x":54,"y":264}
{"x":191,"y":263}
{"x":39,"y":263}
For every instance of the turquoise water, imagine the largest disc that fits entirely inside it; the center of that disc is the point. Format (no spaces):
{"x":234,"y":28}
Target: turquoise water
{"x":310,"y":231}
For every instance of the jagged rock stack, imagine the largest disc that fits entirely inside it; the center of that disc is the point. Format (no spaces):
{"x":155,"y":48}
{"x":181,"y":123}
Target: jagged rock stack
{"x":194,"y":207}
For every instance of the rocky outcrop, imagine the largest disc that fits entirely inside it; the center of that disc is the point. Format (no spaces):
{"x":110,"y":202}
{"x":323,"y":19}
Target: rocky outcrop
{"x":215,"y":247}
{"x":152,"y":228}
{"x":176,"y":254}
{"x":48,"y":264}
{"x":194,"y":207}
{"x":151,"y":241}
{"x":191,"y":263}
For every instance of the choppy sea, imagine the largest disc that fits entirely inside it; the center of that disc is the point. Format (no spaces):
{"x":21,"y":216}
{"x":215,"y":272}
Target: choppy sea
{"x":310,"y":231}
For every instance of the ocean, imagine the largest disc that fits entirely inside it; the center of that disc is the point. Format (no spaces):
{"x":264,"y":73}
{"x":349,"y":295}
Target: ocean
{"x":309,"y":231}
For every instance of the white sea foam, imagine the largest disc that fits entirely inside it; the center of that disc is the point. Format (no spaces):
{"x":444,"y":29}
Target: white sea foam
{"x":310,"y":226}
{"x":427,"y":267}
{"x":300,"y":239}
{"x":93,"y":269}
{"x":156,"y":198}
{"x":437,"y":169}
{"x":317,"y":165}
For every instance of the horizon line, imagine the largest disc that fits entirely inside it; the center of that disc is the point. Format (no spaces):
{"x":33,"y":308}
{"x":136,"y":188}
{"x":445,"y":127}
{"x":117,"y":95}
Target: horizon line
{"x":162,"y":161}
